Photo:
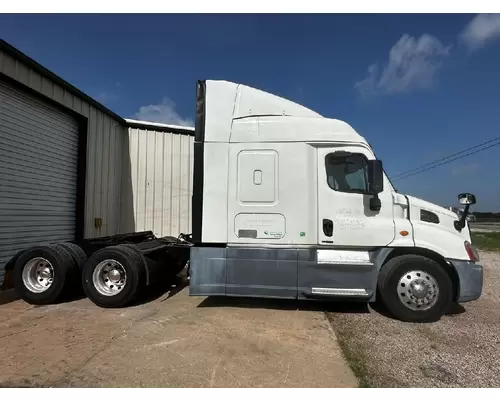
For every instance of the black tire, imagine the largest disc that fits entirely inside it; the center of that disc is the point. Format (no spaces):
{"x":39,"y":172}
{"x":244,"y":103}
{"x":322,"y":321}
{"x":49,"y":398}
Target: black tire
{"x":9,"y":269}
{"x":134,"y":267}
{"x":79,"y":257}
{"x":76,"y":252}
{"x":63,"y":267}
{"x":161,"y":267}
{"x":388,"y":287}
{"x":151,"y":270}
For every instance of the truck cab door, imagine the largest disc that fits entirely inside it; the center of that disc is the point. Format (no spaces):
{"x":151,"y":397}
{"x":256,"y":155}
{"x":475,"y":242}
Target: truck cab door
{"x":350,"y":234}
{"x":345,"y":216}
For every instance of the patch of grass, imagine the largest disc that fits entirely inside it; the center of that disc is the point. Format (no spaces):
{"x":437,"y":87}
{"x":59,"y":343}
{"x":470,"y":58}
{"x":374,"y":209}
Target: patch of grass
{"x":354,"y":356}
{"x":356,"y":362}
{"x":486,"y":240}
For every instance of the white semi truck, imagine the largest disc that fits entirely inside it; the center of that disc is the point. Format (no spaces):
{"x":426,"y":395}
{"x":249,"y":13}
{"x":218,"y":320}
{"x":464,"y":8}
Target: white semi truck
{"x":286,"y":204}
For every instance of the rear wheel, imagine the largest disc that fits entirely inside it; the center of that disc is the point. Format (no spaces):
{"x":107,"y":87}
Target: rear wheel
{"x":76,"y":252}
{"x":113,"y":277}
{"x":79,"y":257}
{"x":42,"y":273}
{"x":415,"y":288}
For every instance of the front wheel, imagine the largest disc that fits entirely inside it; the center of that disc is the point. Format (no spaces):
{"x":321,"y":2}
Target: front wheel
{"x":415,"y":288}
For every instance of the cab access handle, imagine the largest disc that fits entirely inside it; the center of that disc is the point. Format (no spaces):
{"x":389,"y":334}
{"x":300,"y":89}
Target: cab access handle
{"x":328,"y":227}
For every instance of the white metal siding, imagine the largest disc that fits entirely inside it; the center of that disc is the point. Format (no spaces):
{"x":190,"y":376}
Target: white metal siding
{"x":38,"y":173}
{"x":105,"y":142}
{"x":158,"y":184}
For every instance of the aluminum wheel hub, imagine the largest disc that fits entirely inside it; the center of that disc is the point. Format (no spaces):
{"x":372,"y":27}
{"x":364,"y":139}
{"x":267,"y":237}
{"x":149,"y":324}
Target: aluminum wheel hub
{"x":418,"y":290}
{"x":44,"y":272}
{"x":38,"y":275}
{"x":109,"y":277}
{"x":115,"y":275}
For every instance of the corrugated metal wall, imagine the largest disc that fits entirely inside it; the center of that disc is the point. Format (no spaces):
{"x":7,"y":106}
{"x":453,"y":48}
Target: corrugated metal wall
{"x":104,"y":147}
{"x":157,"y":182}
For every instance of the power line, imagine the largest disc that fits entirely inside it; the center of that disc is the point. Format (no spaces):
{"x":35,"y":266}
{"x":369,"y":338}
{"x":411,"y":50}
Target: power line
{"x":446,"y":162}
{"x":449,"y":161}
{"x":400,"y":175}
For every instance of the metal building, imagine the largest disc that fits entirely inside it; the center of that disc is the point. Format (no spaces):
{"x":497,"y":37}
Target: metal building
{"x":70,"y":168}
{"x":160,"y":179}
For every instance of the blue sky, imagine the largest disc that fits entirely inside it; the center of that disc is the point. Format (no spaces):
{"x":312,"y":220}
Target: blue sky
{"x":418,"y":87}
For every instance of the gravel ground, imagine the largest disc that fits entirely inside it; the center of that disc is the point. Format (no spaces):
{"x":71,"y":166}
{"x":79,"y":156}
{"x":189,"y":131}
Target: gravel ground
{"x":461,"y":350}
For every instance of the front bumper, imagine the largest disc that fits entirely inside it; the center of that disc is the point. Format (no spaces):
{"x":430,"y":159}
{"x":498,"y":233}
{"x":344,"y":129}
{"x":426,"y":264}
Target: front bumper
{"x":470,"y":280}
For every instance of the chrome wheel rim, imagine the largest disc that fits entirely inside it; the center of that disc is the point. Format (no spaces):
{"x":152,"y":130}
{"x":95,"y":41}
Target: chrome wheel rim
{"x":418,"y":290}
{"x":109,"y":277}
{"x":38,"y":275}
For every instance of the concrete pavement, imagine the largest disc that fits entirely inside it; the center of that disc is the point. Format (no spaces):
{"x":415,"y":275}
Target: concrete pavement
{"x":177,"y":341}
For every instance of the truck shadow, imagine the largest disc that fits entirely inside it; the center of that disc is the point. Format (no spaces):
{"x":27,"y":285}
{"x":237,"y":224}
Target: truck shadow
{"x":337,"y":306}
{"x":284,"y":304}
{"x":8,"y":296}
{"x":454,"y":309}
{"x":169,"y":287}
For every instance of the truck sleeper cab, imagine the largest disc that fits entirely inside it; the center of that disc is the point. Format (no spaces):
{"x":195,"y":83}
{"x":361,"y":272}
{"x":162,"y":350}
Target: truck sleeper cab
{"x":289,"y":204}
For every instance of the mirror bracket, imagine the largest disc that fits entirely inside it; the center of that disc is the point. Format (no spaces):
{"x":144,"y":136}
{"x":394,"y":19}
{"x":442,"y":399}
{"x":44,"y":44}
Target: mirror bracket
{"x":460,"y":224}
{"x":468,"y":199}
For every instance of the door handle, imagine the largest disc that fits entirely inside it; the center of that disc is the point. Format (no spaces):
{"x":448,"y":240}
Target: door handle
{"x":328,"y":227}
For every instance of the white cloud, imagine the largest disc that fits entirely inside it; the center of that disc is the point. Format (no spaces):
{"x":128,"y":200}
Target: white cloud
{"x":164,"y":113}
{"x":412,"y":64}
{"x":465,"y":169}
{"x":480,"y":30}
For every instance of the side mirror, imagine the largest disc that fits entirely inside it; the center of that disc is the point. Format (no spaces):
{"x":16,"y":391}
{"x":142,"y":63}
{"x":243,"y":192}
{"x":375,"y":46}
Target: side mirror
{"x":375,"y":177}
{"x":466,"y":199}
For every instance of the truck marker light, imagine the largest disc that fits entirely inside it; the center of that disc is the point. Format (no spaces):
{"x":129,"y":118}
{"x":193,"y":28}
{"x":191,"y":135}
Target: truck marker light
{"x":403,"y":233}
{"x":471,"y":252}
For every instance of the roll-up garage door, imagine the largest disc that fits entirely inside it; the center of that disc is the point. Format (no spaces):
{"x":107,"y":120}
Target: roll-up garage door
{"x":38,"y":173}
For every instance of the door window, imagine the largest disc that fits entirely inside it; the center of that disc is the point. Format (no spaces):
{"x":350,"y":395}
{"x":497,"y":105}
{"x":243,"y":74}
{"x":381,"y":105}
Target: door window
{"x":347,"y":172}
